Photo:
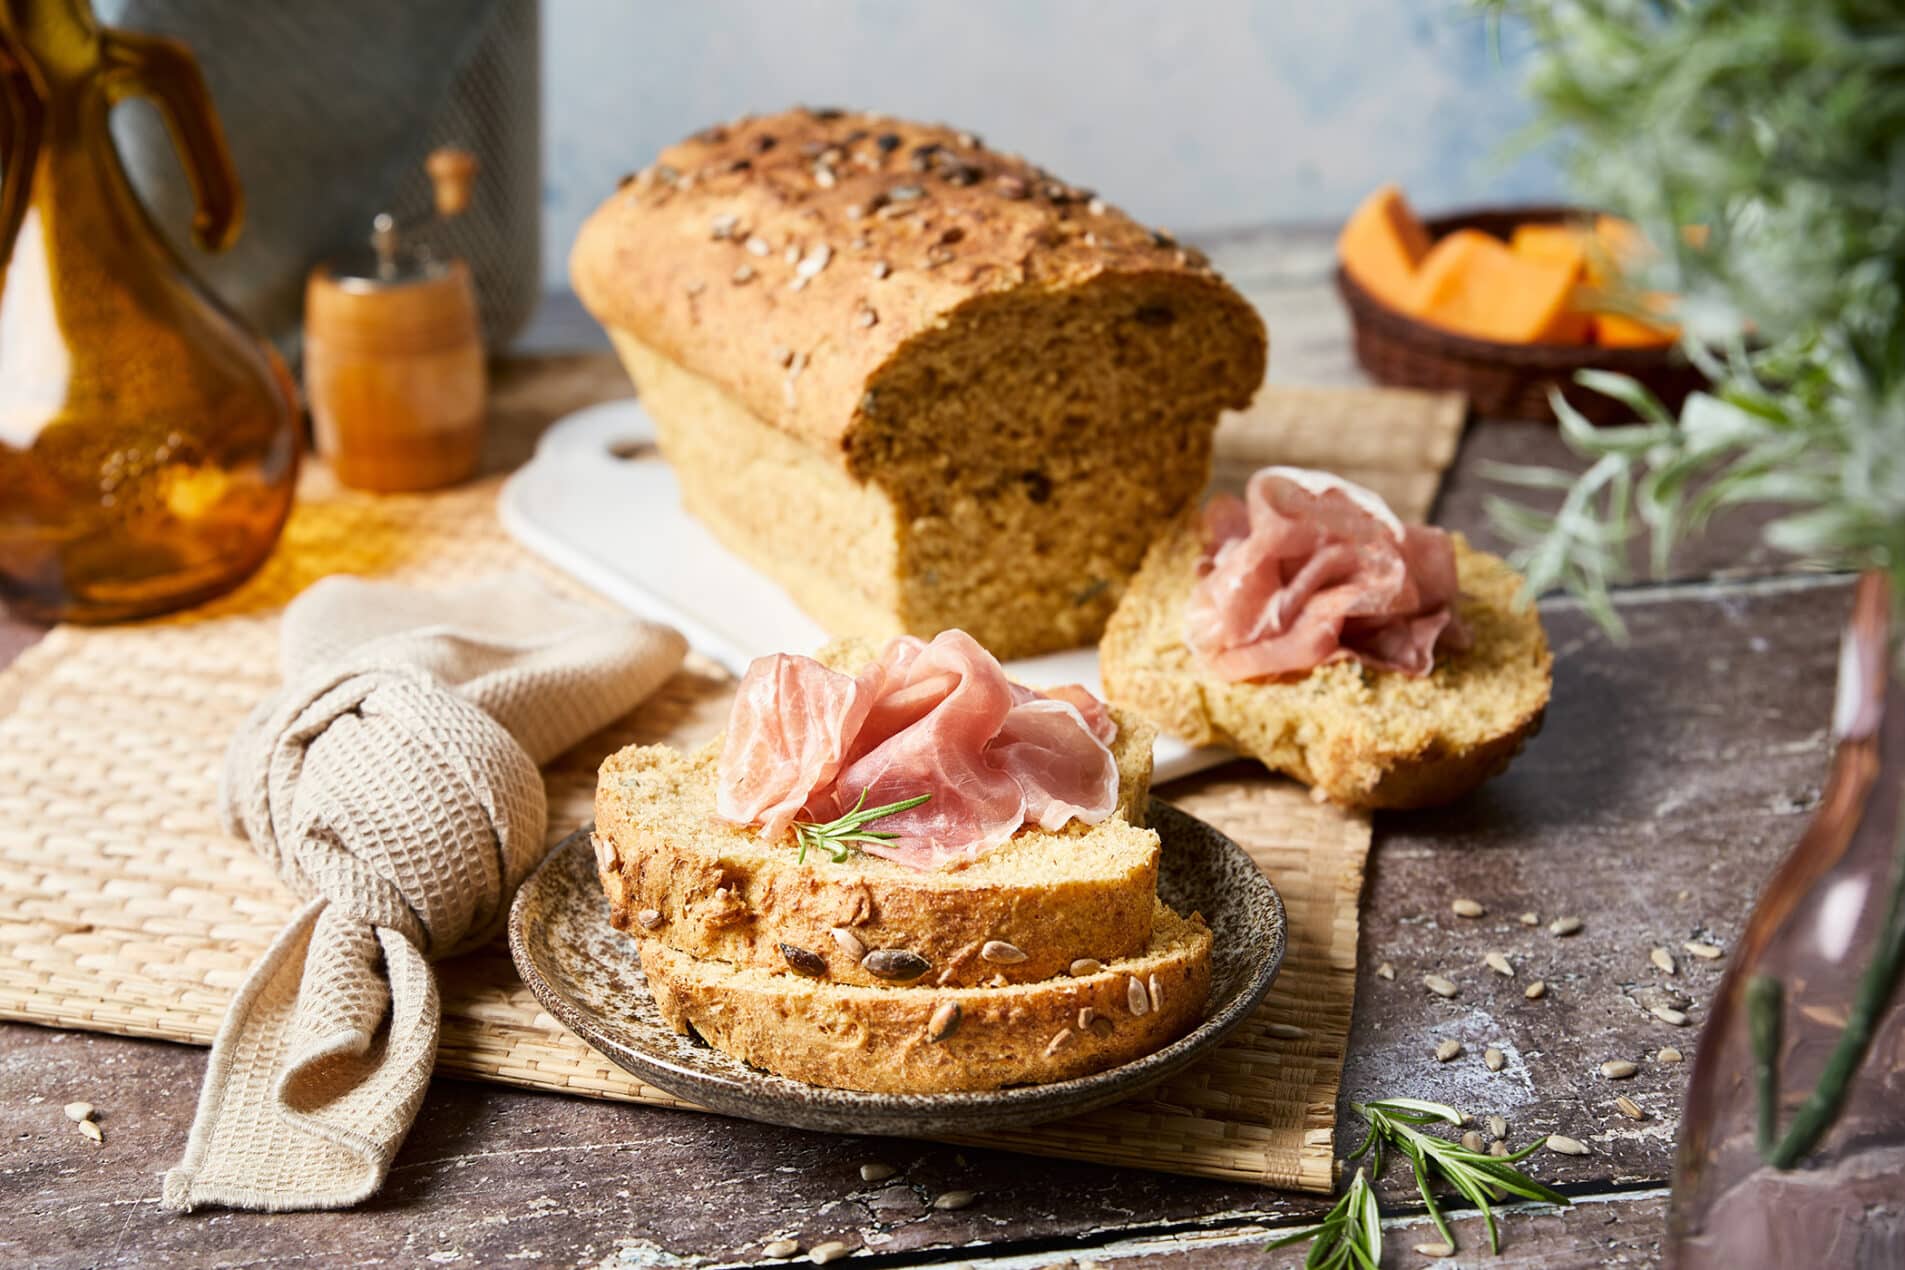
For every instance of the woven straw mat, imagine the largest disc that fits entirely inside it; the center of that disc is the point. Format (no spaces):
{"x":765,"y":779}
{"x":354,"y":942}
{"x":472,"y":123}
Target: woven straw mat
{"x":124,"y":908}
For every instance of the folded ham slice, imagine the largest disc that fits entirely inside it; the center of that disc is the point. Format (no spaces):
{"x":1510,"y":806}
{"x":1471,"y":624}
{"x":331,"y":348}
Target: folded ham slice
{"x":1308,"y":568}
{"x":806,"y":742}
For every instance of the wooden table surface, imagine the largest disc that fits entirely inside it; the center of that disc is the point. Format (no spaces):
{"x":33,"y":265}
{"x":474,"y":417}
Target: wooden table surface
{"x":1672,"y":772}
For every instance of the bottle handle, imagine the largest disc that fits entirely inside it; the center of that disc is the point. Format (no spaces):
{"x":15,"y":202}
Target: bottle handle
{"x":165,"y":72}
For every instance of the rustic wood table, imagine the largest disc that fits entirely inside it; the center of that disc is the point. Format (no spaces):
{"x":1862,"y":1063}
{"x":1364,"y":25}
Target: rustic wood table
{"x":1671,"y":774}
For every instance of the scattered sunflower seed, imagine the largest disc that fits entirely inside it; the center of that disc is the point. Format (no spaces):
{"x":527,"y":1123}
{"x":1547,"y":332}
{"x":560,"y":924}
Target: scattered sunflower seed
{"x":1668,"y":1054}
{"x":1286,"y":1031}
{"x":1667,"y":1014}
{"x":743,"y":275}
{"x":881,"y":269}
{"x":832,"y":1250}
{"x":1535,"y":990}
{"x":1566,"y":1145}
{"x":1498,"y":1148}
{"x":1564,"y":926}
{"x":1446,"y":1051}
{"x":814,"y":261}
{"x":1385,"y":971}
{"x":1705,"y":952}
{"x":757,"y":245}
{"x":1435,"y":1250}
{"x":1618,"y":1069}
{"x":945,"y":1021}
{"x":1086,"y":966}
{"x":877,"y":1171}
{"x":849,"y":942}
{"x":1001,"y":953}
{"x":77,"y":1111}
{"x":1136,"y":998}
{"x":1629,"y":1108}
{"x":1498,"y":1126}
{"x":1472,"y":1141}
{"x":1499,"y":964}
{"x":1663,"y":960}
{"x":1468,"y":908}
{"x":780,"y":1248}
{"x":90,"y":1128}
{"x":1440,"y":986}
{"x":1531,"y":918}
{"x":1493,"y":1059}
{"x":952,"y":1200}
{"x":648,"y":918}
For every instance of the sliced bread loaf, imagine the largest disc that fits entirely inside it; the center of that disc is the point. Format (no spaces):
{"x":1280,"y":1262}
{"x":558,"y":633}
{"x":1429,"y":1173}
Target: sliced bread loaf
{"x":1022,"y":912}
{"x":939,"y":1040}
{"x":1364,"y":737}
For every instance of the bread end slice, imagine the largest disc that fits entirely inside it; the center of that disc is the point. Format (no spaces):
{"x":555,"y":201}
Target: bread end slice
{"x":1363,"y":737}
{"x":939,"y":1040}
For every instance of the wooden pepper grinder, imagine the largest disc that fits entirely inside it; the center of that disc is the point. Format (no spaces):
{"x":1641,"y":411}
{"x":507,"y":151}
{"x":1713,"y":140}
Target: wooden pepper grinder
{"x":393,"y":353}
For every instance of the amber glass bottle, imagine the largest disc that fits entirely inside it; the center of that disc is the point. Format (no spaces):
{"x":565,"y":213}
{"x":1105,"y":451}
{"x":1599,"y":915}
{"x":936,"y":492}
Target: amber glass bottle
{"x":148,"y":439}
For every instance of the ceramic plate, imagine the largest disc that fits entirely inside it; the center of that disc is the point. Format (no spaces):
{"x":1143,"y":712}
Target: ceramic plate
{"x":587,"y":974}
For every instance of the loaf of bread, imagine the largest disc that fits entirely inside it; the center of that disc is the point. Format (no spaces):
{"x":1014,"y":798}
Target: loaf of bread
{"x":1362,"y":736}
{"x":923,"y":1040}
{"x":1024,"y":911}
{"x":920,"y":383}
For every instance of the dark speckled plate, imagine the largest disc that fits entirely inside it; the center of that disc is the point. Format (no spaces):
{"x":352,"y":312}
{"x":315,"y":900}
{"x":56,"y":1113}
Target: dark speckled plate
{"x":586,"y":973}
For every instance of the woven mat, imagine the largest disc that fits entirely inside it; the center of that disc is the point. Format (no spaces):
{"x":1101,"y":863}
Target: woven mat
{"x":125,"y":909}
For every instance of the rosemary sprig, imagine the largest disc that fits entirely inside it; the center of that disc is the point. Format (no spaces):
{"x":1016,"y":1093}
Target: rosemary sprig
{"x":1351,"y":1235}
{"x":837,"y":836}
{"x":1475,"y":1175}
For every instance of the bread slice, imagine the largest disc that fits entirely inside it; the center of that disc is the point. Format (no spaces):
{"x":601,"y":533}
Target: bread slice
{"x":939,"y":1040}
{"x":674,"y":872}
{"x":1364,"y":737}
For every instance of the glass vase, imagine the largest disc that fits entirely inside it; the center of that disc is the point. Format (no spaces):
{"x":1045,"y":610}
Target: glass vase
{"x":1792,"y":1145}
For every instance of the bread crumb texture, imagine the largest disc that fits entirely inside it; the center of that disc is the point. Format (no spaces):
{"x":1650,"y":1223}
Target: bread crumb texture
{"x":1363,"y":737}
{"x":938,"y":1040}
{"x":920,"y":383}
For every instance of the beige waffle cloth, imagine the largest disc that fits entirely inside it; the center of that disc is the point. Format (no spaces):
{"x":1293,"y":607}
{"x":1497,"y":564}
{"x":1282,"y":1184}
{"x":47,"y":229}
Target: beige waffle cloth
{"x":393,"y":781}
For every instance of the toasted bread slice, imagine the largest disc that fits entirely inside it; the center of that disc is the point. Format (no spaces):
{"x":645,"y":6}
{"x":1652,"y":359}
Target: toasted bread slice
{"x":1363,"y":737}
{"x":938,"y":1040}
{"x":1022,"y":912}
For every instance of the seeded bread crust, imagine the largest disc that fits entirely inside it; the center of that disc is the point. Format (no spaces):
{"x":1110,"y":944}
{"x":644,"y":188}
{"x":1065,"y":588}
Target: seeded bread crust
{"x":941,"y":1040}
{"x":995,"y":389}
{"x":716,"y":890}
{"x":1363,"y":737}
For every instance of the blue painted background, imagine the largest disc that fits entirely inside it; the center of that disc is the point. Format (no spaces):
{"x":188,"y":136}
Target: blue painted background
{"x":1195,"y":114}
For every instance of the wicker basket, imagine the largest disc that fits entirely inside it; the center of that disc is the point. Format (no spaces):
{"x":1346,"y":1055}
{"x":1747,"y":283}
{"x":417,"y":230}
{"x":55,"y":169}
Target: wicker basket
{"x":1508,"y":381}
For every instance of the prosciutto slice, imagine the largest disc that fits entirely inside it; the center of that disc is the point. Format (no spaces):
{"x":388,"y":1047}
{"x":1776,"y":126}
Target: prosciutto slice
{"x":806,"y":742}
{"x":1306,"y":569}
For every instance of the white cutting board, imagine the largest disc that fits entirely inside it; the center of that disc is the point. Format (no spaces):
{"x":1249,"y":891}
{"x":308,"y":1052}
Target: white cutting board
{"x":598,"y":502}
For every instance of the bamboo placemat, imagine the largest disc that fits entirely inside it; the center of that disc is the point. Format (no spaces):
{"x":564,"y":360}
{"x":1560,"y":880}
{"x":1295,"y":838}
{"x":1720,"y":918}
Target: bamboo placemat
{"x":124,"y":908}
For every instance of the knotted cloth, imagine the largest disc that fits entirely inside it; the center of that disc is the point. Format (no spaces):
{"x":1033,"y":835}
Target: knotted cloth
{"x":394,"y":783}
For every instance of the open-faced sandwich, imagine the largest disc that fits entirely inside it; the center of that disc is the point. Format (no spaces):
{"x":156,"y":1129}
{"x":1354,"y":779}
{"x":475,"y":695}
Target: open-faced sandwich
{"x":1385,"y":665}
{"x":898,"y":870}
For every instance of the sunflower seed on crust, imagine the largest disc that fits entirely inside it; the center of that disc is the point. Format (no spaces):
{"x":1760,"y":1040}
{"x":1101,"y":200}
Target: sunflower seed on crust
{"x":950,"y":1200}
{"x":832,"y":1250}
{"x":876,"y":1171}
{"x":1498,"y":1126}
{"x":1385,"y":971}
{"x":1564,"y":926}
{"x":945,"y":1021}
{"x":1667,"y":1014}
{"x":1435,"y":1250}
{"x":1704,"y":951}
{"x":1086,"y":1017}
{"x":1530,"y":918}
{"x":780,"y":1248}
{"x":1136,"y":998}
{"x":1619,"y":1069}
{"x":849,"y":942}
{"x":1536,"y":990}
{"x":1467,"y":908}
{"x":1492,"y":1059}
{"x":1472,"y":1141}
{"x":90,"y":1129}
{"x":1086,"y":966}
{"x":1663,"y":961}
{"x":1668,"y":1054}
{"x":648,"y":918}
{"x":1566,"y":1145}
{"x":1499,"y":964}
{"x":1446,"y":1051}
{"x":1629,"y":1108}
{"x":1002,"y":953}
{"x":1058,"y":1042}
{"x":79,"y":1111}
{"x":1440,"y":986}
{"x":1157,"y":994}
{"x":1498,"y":1148}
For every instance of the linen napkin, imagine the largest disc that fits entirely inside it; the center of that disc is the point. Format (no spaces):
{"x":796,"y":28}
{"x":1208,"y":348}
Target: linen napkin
{"x":394,"y":782}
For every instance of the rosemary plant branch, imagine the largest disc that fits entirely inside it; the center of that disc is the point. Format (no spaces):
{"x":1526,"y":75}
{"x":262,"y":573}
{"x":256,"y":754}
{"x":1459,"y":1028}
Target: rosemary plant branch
{"x":1765,"y":999}
{"x":837,"y":836}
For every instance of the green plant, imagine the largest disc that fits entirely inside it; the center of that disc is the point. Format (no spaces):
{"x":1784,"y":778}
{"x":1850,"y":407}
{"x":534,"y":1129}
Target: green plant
{"x":1351,"y":1234}
{"x":1779,"y":127}
{"x":837,"y":836}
